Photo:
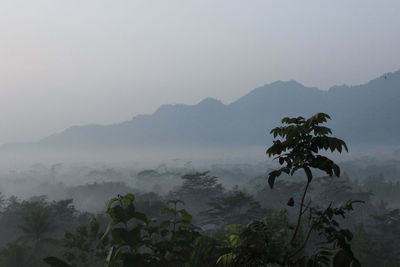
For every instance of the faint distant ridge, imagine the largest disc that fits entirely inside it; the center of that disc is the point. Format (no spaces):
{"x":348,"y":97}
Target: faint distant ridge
{"x":362,"y":114}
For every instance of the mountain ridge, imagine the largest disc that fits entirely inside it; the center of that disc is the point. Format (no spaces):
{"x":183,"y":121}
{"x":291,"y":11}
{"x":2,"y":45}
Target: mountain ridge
{"x":360,"y":114}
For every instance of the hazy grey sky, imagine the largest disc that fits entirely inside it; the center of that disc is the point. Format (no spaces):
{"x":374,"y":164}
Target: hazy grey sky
{"x":72,"y":62}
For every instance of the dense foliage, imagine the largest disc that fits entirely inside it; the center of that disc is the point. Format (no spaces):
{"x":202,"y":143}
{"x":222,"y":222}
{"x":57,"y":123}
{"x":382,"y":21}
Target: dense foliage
{"x":312,"y":219}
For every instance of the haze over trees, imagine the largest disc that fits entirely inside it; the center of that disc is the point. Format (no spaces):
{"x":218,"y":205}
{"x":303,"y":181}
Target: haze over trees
{"x":311,"y":219}
{"x":199,"y":133}
{"x":294,"y":211}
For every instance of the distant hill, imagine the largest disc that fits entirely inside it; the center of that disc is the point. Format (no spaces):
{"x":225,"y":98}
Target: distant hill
{"x":364,"y":114}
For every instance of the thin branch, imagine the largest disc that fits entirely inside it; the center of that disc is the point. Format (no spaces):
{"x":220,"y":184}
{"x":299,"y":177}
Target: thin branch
{"x":302,"y":246}
{"x":300,"y":213}
{"x":307,"y":206}
{"x":305,"y":240}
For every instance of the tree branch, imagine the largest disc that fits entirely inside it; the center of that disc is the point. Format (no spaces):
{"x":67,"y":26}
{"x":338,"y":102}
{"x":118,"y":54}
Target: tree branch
{"x":300,"y":213}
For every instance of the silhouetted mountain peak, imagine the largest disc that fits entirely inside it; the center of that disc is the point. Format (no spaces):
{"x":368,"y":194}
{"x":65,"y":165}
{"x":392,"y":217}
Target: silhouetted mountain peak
{"x":207,"y":103}
{"x":210,"y":102}
{"x":280,"y":91}
{"x":284,"y":84}
{"x":387,"y":81}
{"x":169,"y":108}
{"x":370,"y":109}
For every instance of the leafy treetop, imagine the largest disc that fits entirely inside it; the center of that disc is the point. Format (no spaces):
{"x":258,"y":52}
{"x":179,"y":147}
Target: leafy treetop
{"x":298,"y":145}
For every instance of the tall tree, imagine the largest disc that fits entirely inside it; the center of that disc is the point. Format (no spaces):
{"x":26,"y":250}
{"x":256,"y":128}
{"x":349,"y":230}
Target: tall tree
{"x":297,"y":146}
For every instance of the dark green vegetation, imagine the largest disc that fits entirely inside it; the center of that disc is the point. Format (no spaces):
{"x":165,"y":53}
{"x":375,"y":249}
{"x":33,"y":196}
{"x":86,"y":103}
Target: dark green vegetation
{"x":313,"y":218}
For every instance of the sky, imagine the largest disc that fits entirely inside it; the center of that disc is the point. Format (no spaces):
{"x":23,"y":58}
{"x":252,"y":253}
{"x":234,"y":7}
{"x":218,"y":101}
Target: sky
{"x":76,"y":62}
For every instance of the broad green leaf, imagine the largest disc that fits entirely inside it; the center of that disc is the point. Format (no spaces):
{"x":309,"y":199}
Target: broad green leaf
{"x":111,"y":202}
{"x":117,"y":213}
{"x":128,"y":198}
{"x":141,"y":216}
{"x":119,"y":234}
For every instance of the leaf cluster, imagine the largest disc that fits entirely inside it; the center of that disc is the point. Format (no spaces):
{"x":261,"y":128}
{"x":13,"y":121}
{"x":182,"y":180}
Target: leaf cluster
{"x":297,"y":146}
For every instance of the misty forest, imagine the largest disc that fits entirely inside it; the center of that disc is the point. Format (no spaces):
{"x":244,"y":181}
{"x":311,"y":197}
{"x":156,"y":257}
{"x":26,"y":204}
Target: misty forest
{"x":299,"y":208}
{"x":205,"y":133}
{"x":186,"y":186}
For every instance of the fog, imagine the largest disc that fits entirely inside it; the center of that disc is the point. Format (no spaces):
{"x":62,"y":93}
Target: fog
{"x":70,"y":63}
{"x":59,"y":173}
{"x":199,"y":134}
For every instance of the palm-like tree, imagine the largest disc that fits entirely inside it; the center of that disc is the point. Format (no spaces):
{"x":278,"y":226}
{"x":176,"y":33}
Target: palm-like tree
{"x":37,"y":226}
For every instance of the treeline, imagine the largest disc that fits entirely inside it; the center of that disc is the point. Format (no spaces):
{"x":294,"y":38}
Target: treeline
{"x":215,"y":217}
{"x":322,"y":220}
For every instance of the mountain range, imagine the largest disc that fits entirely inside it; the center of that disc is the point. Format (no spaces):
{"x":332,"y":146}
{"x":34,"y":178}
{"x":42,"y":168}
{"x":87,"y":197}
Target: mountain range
{"x":366,"y":114}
